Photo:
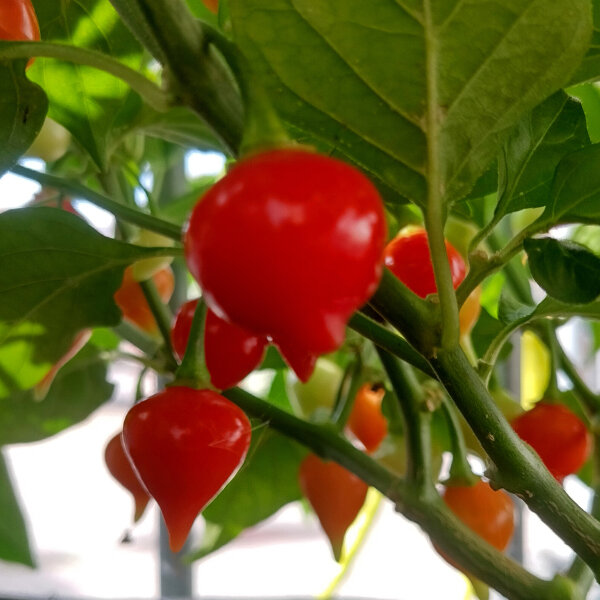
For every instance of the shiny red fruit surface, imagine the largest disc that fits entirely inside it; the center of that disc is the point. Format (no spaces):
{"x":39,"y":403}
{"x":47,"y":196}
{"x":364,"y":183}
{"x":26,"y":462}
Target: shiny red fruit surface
{"x":120,"y":468}
{"x":288,"y":245}
{"x":231,"y":352}
{"x":336,"y":495}
{"x":489,"y":513}
{"x":408,"y":257}
{"x":558,"y":435}
{"x":185,"y":444}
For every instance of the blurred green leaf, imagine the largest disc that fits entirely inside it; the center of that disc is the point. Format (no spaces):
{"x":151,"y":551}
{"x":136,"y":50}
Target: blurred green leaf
{"x":267,"y":481}
{"x":79,"y":388}
{"x":575,"y":195}
{"x":14,"y":543}
{"x":565,"y":270}
{"x":485,"y":330}
{"x":57,"y":277}
{"x":91,"y":104}
{"x":589,"y":69}
{"x":535,"y":146}
{"x":23,"y":107}
{"x":395,"y":88}
{"x":179,"y":125}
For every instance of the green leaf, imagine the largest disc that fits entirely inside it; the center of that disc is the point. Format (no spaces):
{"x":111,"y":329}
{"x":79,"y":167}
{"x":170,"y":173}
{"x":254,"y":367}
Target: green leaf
{"x":575,"y":195}
{"x":534,"y":148}
{"x":589,"y":96}
{"x":91,"y":104}
{"x":179,"y":125}
{"x":565,"y":270}
{"x":412,"y":90}
{"x":57,"y":277}
{"x":485,"y":330}
{"x":14,"y":542}
{"x":79,"y":388}
{"x":551,"y":307}
{"x":278,"y":392}
{"x":267,"y":481}
{"x":510,"y":309}
{"x":589,"y":69}
{"x":23,"y":107}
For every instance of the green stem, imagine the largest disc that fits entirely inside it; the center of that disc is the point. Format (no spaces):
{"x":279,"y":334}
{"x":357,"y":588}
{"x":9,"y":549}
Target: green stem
{"x":135,"y":336}
{"x":346,"y":394}
{"x":518,"y":468}
{"x":129,"y":215}
{"x":460,"y":470}
{"x":417,"y":422}
{"x":591,"y":400}
{"x":162,"y":316}
{"x":262,"y":127}
{"x":390,"y":341}
{"x":488,"y":360}
{"x":549,"y":336}
{"x":199,"y":78}
{"x":414,"y":317}
{"x":434,"y":214}
{"x":449,"y":534}
{"x":154,"y":96}
{"x":482,"y":268}
{"x":193,"y":365}
{"x":579,"y":572}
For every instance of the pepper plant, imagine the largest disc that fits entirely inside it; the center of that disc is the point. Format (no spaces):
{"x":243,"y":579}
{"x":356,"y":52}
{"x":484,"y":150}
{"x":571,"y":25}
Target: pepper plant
{"x":343,"y":123}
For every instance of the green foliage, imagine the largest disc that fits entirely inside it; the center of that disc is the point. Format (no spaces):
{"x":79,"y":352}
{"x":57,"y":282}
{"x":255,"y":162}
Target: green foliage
{"x":458,"y":113}
{"x":267,"y":481}
{"x":79,"y":388}
{"x":23,"y":107}
{"x":329,"y":73}
{"x":576,"y":188}
{"x":565,"y":270}
{"x":552,"y":130}
{"x":91,"y":104}
{"x":14,"y":543}
{"x":57,"y":277}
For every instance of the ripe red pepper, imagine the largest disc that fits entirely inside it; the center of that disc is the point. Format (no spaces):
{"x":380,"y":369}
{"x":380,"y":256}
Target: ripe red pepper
{"x":120,"y":468}
{"x":559,"y":437}
{"x":230,"y":352}
{"x":18,"y":22}
{"x":288,"y":245}
{"x":408,"y":257}
{"x":336,"y":495}
{"x":366,"y":420}
{"x":185,"y":444}
{"x":132,"y":302}
{"x":489,"y":513}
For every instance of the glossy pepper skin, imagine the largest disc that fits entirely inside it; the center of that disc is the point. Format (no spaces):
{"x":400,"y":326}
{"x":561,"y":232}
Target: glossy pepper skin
{"x":408,"y":258}
{"x":18,"y":22}
{"x":288,"y":245}
{"x":185,"y":445}
{"x":336,"y":495}
{"x":132,"y":302}
{"x":558,"y":435}
{"x":120,"y":468}
{"x":489,"y":513}
{"x":366,"y":420}
{"x":230,"y":351}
